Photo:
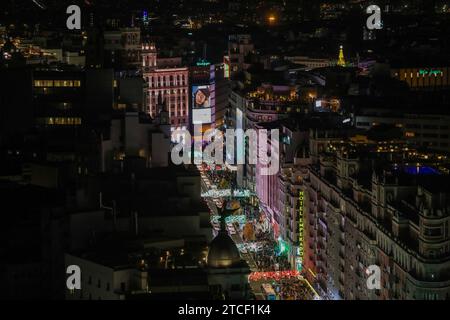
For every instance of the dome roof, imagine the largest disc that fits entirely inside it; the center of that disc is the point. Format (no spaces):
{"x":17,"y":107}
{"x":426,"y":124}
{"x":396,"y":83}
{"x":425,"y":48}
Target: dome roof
{"x":223,"y":252}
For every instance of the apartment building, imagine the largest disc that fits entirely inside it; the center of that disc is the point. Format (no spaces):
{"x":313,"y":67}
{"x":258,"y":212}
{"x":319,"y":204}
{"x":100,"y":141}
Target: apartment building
{"x":375,"y":203}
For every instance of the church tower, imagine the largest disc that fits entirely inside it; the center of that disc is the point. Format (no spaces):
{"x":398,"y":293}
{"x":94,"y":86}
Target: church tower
{"x":149,"y":56}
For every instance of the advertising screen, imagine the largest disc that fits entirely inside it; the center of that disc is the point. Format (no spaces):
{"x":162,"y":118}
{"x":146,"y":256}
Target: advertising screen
{"x":201,"y":104}
{"x":201,"y":97}
{"x":200,"y":116}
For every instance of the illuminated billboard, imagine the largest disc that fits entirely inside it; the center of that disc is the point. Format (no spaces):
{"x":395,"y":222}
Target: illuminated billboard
{"x":202,"y":97}
{"x":201,"y":116}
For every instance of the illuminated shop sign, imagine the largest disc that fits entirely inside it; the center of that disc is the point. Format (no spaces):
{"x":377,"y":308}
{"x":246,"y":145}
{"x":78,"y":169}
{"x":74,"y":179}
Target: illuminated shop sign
{"x":299,"y":259}
{"x":203,"y":63}
{"x":430,"y":72}
{"x":201,"y":104}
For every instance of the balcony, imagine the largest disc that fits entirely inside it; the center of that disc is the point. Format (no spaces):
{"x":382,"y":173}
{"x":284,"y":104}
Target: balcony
{"x":369,"y":235}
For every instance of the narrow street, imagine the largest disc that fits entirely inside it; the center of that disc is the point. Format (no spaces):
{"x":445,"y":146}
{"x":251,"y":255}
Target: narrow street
{"x":267,"y":265}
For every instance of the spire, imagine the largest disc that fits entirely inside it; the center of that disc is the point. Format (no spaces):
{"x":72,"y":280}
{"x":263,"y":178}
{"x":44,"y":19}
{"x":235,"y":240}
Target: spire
{"x":341,"y":61}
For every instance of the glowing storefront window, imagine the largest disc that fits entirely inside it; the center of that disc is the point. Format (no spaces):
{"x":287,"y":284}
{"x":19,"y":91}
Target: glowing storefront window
{"x":57,"y":83}
{"x":62,"y":121}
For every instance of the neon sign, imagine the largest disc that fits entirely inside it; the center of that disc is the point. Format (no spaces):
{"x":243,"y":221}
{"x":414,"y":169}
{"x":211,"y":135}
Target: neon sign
{"x":299,"y":259}
{"x":203,"y":63}
{"x":430,"y":72}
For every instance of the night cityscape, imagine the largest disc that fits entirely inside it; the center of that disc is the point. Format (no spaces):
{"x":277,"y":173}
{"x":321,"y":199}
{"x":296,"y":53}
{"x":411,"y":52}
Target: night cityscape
{"x":197,"y":150}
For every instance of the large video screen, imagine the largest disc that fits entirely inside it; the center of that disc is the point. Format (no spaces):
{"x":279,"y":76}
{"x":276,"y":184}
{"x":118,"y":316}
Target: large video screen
{"x":201,"y":104}
{"x":201,"y":97}
{"x":201,"y":116}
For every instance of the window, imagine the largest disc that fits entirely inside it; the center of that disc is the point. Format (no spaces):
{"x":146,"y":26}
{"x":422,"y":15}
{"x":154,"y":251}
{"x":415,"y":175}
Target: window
{"x":43,"y":83}
{"x":432,"y":232}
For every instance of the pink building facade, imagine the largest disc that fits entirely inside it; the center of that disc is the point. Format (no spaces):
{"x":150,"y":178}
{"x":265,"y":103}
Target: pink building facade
{"x":166,"y":77}
{"x":267,"y":189}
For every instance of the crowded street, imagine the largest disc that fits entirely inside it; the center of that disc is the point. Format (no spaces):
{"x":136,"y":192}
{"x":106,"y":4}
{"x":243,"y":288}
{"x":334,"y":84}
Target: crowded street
{"x":272,"y":277}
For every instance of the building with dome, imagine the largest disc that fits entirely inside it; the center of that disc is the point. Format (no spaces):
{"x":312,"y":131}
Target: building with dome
{"x":227,"y":271}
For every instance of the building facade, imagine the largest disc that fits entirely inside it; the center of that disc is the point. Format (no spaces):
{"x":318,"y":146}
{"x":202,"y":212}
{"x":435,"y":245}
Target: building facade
{"x":391,"y":217}
{"x":166,"y":78}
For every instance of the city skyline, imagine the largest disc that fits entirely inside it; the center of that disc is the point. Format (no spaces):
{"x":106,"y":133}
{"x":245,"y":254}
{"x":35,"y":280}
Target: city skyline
{"x":220,"y":150}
